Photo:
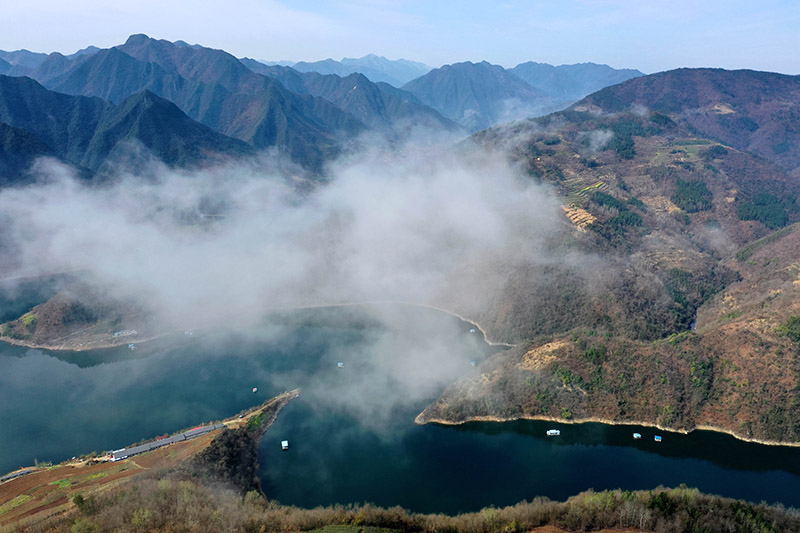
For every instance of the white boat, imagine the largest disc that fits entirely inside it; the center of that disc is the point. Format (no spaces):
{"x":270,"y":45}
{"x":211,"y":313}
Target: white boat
{"x":284,"y":445}
{"x":637,"y":435}
{"x":255,"y":389}
{"x":553,"y":432}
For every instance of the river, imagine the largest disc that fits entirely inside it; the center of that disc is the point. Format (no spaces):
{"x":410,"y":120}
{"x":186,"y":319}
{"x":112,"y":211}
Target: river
{"x":351,"y":433}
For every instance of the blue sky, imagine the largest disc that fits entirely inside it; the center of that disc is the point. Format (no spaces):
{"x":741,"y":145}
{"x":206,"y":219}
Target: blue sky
{"x":650,"y":35}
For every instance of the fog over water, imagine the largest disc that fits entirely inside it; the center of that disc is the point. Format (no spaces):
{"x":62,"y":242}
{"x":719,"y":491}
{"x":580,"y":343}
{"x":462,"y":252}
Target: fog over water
{"x":231,"y":251}
{"x":224,"y":247}
{"x":199,"y":247}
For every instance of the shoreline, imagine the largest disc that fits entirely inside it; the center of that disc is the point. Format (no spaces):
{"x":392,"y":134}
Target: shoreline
{"x":61,"y":348}
{"x":46,"y":490}
{"x":106,"y":345}
{"x":542,"y":418}
{"x":486,"y":338}
{"x":232,"y":422}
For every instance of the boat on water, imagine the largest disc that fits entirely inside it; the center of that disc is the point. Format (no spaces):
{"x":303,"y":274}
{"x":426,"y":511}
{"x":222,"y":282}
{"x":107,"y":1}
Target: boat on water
{"x":637,"y":436}
{"x":284,"y":445}
{"x":255,"y":389}
{"x":553,"y":432}
{"x":657,"y":438}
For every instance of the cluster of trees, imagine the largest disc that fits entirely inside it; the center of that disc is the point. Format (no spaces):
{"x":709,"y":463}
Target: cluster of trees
{"x":767,"y":209}
{"x":791,"y":328}
{"x":613,"y":228}
{"x":692,"y":196}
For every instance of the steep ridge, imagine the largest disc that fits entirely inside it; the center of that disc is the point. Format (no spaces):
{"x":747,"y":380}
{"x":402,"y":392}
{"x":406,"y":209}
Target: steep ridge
{"x":163,"y":129}
{"x":19,"y":148}
{"x":111,"y":75}
{"x":750,"y":110}
{"x":215,"y":89}
{"x":23,"y":58}
{"x":378,"y":105}
{"x":89,"y":131}
{"x":569,"y":83}
{"x":479,"y":95}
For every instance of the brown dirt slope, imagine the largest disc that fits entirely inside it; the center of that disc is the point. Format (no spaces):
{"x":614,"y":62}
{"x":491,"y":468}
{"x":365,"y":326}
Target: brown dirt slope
{"x":687,"y":232}
{"x":739,"y":371}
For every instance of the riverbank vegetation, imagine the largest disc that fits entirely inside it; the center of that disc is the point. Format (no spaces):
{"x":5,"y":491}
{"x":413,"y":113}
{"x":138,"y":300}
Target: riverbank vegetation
{"x":170,"y":502}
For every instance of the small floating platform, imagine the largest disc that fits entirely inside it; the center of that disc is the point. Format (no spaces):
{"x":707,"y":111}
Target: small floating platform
{"x":657,"y":438}
{"x":637,"y":436}
{"x":284,"y":445}
{"x":553,"y":432}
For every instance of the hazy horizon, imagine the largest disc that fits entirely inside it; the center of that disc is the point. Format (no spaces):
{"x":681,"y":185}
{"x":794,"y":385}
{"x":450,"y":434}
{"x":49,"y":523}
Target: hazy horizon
{"x":619,"y":33}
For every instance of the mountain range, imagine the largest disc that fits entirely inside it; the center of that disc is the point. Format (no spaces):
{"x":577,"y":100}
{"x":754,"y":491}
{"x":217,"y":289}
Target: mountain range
{"x":376,"y":68}
{"x":89,"y":132}
{"x":310,"y":116}
{"x":211,"y":87}
{"x":479,"y":95}
{"x":22,"y":62}
{"x":378,"y":105}
{"x":569,"y":83}
{"x":691,"y":315}
{"x":750,"y":110}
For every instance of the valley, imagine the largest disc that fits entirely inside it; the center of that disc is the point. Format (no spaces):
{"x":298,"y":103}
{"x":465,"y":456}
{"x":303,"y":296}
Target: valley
{"x":484,"y":279}
{"x":341,"y":429}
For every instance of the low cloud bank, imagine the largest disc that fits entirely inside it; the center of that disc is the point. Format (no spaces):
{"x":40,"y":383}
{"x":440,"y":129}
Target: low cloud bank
{"x":200,"y":247}
{"x":228,"y":245}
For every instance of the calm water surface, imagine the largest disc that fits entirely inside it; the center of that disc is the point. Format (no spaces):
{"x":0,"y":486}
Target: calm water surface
{"x":351,"y":432}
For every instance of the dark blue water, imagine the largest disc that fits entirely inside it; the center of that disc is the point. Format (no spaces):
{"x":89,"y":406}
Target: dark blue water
{"x":351,"y":432}
{"x":450,"y":469}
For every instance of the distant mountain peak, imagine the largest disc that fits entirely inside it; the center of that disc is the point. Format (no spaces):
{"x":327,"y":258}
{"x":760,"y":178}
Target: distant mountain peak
{"x":86,"y":51}
{"x":569,"y":83}
{"x":376,"y":68}
{"x":479,"y":95}
{"x":137,"y":38}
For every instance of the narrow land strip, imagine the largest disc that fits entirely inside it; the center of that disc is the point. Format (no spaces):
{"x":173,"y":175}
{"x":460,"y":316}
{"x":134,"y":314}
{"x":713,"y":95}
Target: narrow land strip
{"x":48,"y":491}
